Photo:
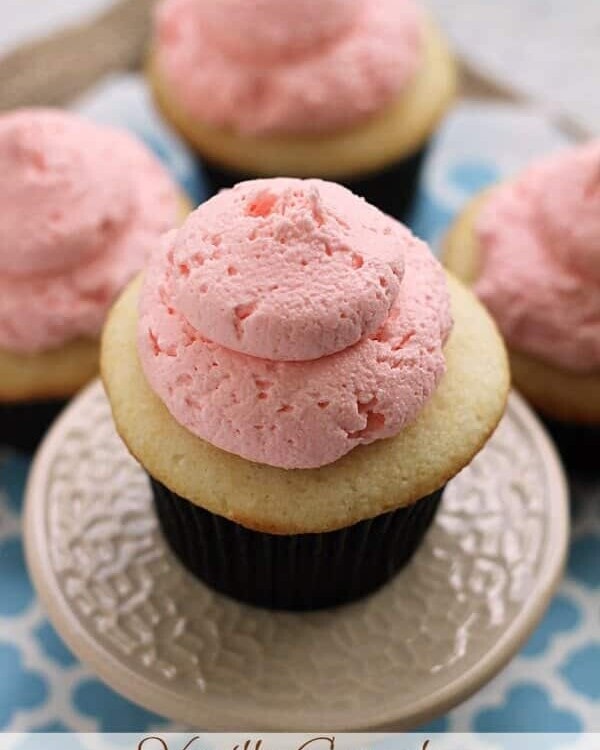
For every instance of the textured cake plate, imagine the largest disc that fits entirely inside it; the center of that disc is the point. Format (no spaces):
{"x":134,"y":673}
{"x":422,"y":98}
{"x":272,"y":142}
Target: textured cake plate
{"x":443,"y":627}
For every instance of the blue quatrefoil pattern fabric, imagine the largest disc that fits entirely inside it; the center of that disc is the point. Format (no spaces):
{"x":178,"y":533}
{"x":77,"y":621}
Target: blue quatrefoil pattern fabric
{"x":553,"y":685}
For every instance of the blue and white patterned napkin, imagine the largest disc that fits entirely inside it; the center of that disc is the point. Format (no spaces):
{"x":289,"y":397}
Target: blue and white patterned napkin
{"x":552,"y":685}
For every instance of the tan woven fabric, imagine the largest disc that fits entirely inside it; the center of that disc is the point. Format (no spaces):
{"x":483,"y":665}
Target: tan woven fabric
{"x":56,"y":69}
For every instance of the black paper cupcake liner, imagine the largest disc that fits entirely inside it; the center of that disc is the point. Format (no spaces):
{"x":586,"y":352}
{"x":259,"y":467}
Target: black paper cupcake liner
{"x":578,"y":444}
{"x":391,"y":189}
{"x":295,"y":572}
{"x":23,"y":425}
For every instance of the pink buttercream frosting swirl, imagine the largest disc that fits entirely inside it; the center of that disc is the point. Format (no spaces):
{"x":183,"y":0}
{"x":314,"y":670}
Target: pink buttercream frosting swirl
{"x":289,"y":321}
{"x":540,"y":265}
{"x":246,"y":260}
{"x":81,"y":207}
{"x":273,"y":67}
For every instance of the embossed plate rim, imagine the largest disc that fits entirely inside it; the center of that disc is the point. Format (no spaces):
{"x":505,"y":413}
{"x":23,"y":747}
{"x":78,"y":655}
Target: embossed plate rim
{"x":215,"y":713}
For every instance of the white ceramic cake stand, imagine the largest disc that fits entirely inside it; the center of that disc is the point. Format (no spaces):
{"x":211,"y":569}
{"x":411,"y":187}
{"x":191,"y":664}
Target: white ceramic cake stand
{"x":443,"y":627}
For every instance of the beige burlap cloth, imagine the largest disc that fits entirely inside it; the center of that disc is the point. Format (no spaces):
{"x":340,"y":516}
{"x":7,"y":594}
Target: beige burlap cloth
{"x":54,"y":70}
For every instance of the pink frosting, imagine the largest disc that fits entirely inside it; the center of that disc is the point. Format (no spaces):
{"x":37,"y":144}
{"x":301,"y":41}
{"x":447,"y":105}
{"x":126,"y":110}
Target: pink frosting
{"x":274,"y":67}
{"x":81,"y":207}
{"x":540,"y":273}
{"x":251,"y":254}
{"x":311,"y":411}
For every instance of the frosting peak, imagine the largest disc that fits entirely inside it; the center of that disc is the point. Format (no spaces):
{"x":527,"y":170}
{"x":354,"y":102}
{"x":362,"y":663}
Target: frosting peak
{"x":60,"y":203}
{"x":82,"y":205}
{"x":287,"y":269}
{"x":275,"y":30}
{"x":277,"y":67}
{"x":540,"y":265}
{"x":288,"y":321}
{"x":569,"y":208}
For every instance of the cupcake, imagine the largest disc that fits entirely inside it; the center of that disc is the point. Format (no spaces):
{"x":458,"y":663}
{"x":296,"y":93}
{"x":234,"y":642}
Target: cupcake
{"x":288,"y":374}
{"x":81,"y":207}
{"x":350,"y":90}
{"x":531,"y":250}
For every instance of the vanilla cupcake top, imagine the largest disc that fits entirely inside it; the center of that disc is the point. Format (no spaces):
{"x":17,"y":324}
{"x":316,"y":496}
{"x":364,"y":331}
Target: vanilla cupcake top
{"x":81,"y":207}
{"x":271,"y":67}
{"x":289,"y":321}
{"x":540,"y":259}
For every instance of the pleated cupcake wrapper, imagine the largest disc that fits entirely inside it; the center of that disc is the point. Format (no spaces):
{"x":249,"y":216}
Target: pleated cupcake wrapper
{"x":294,"y":572}
{"x":23,"y":425}
{"x":391,"y":189}
{"x":578,"y":444}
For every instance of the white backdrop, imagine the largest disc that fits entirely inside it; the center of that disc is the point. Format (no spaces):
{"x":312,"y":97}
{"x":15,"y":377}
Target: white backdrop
{"x":547,"y":49}
{"x":21,"y":20}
